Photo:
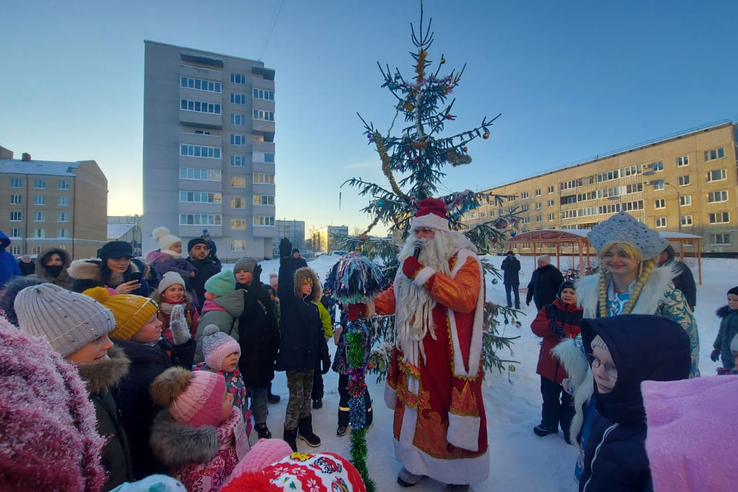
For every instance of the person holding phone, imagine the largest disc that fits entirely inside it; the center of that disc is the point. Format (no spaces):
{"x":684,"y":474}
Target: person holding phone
{"x":112,"y":269}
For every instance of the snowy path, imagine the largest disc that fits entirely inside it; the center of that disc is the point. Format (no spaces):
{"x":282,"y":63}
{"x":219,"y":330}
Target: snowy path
{"x":519,"y":459}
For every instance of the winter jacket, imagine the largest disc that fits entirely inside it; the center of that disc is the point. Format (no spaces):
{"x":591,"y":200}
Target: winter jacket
{"x":27,"y":268}
{"x":235,"y":386}
{"x":100,"y":377}
{"x":87,"y":274}
{"x":205,"y":269}
{"x":201,"y":458}
{"x":137,"y":409}
{"x":42,"y":271}
{"x":643,"y":348}
{"x":683,"y":279}
{"x":258,"y":335}
{"x":544,"y":285}
{"x":728,"y":330}
{"x":325,"y":319}
{"x":224,"y":312}
{"x":569,"y":317}
{"x":162,"y":263}
{"x":191,"y":315}
{"x":302,"y":344}
{"x":8,"y":265}
{"x":511,"y":267}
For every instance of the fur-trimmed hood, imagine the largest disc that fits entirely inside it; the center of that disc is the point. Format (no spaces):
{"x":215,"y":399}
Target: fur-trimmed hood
{"x":91,"y":269}
{"x":177,"y":444}
{"x":41,"y":264}
{"x":724,"y":311}
{"x":103,"y":374}
{"x":303,"y":273}
{"x":651,"y":297}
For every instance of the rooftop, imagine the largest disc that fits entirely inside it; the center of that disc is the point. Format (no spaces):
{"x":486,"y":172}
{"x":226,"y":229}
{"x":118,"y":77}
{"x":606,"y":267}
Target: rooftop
{"x":49,"y":168}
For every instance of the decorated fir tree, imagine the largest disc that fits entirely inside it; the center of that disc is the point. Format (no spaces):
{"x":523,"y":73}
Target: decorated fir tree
{"x":417,"y":155}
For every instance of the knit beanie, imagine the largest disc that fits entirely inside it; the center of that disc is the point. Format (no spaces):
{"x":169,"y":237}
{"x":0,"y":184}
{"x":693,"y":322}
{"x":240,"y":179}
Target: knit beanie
{"x":247,"y":264}
{"x":264,"y":453}
{"x":545,"y":259}
{"x":566,"y":284}
{"x":192,"y":242}
{"x":131,"y":312}
{"x":273,"y":280}
{"x":68,"y":320}
{"x":216,"y":346}
{"x":193,"y":398}
{"x":169,"y":279}
{"x":597,"y":341}
{"x":734,"y":344}
{"x":115,"y":249}
{"x":166,"y":241}
{"x":221,"y":284}
{"x":733,"y":291}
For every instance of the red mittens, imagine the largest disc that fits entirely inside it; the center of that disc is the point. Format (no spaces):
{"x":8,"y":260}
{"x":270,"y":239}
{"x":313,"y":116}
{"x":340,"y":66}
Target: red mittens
{"x":411,"y":266}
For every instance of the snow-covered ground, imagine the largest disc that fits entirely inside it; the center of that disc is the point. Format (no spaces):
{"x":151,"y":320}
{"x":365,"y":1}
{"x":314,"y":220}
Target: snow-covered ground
{"x":519,"y":459}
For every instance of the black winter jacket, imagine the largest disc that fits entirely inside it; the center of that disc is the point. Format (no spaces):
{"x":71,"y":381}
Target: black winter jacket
{"x":205,"y":269}
{"x":544,"y":285}
{"x":258,"y":335}
{"x":134,"y":401}
{"x":684,"y":281}
{"x":511,"y":267}
{"x":87,"y":274}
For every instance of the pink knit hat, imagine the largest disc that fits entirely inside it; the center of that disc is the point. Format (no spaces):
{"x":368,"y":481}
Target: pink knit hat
{"x":216,"y":346}
{"x":193,"y":398}
{"x":264,"y":453}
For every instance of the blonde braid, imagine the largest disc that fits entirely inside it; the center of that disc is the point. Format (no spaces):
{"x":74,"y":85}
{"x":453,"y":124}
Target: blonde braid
{"x":647,"y":268}
{"x":604,"y":282}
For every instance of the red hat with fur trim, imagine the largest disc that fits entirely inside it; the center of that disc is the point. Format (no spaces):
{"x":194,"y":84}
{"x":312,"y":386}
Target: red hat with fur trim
{"x":431,"y":213}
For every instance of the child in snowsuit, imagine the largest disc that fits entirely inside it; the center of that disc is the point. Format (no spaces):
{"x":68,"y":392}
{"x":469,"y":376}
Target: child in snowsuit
{"x":200,"y":435}
{"x":223,"y":307}
{"x":554,"y":323}
{"x":726,"y":334}
{"x":171,"y":292}
{"x":624,"y":351}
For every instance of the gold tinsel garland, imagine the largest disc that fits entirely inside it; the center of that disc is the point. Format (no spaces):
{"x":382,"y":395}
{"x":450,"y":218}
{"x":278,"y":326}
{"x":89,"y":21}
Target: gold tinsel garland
{"x":386,"y":166}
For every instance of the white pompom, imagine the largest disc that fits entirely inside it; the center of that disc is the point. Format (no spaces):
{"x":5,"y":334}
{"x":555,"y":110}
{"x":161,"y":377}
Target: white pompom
{"x":160,"y":232}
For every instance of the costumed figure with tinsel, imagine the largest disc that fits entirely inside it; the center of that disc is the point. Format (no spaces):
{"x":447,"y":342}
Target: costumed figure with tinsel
{"x":434,"y":384}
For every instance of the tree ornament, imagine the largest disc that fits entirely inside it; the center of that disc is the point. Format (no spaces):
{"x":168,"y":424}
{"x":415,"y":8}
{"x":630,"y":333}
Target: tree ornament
{"x":494,"y":240}
{"x":443,"y":60}
{"x":408,"y":106}
{"x":513,"y":234}
{"x":449,"y":117}
{"x":464,"y":149}
{"x":485,"y":135}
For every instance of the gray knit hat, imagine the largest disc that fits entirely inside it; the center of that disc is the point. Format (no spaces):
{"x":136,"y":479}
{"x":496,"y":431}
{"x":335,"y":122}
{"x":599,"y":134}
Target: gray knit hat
{"x":216,"y":346}
{"x":68,"y":320}
{"x":246,"y":264}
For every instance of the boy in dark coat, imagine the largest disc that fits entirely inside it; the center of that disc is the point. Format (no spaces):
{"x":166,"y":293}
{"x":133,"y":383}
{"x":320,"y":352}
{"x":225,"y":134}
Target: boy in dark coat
{"x":624,"y":351}
{"x":511,"y":278}
{"x":544,"y":283}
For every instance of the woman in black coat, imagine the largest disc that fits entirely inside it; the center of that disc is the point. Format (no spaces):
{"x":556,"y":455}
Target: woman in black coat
{"x":544,"y":283}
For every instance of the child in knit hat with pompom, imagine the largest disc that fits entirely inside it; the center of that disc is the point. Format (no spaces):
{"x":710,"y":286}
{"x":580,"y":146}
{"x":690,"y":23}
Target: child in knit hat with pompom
{"x":168,"y":258}
{"x":200,"y":435}
{"x":222,"y":354}
{"x":172,"y":290}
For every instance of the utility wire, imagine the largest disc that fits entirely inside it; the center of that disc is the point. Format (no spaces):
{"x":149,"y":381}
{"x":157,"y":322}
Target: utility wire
{"x":269,"y":35}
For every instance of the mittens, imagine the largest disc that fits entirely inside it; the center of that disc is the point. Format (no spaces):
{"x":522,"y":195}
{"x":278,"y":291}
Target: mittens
{"x":178,"y":324}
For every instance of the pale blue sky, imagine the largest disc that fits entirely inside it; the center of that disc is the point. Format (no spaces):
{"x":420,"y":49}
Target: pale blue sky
{"x":572,"y":79}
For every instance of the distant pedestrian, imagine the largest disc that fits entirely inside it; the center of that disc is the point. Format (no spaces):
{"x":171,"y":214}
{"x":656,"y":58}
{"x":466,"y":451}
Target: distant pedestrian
{"x":51,"y":265}
{"x":511,"y":279}
{"x":544,"y":283}
{"x":8,"y":266}
{"x":212,"y":247}
{"x":26,"y":265}
{"x":198,"y":251}
{"x":684,"y":279}
{"x":727,"y":332}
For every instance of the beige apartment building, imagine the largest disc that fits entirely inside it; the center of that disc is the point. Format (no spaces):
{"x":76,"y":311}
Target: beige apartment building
{"x":51,"y":203}
{"x":687,"y":182}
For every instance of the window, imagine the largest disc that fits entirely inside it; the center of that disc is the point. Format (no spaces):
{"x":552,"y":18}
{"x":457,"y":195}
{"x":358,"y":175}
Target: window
{"x":720,"y":239}
{"x":199,"y":151}
{"x":716,"y":175}
{"x":268,"y":179}
{"x":609,"y":175}
{"x":199,"y":219}
{"x":63,"y":233}
{"x":524,"y":208}
{"x":39,"y":217}
{"x":16,"y":183}
{"x":711,"y":155}
{"x":15,"y":233}
{"x":238,"y":224}
{"x":199,"y":84}
{"x":263,"y":199}
{"x":16,"y":216}
{"x":39,"y":184}
{"x":269,"y":157}
{"x":260,"y":114}
{"x":634,"y":188}
{"x":39,"y":200}
{"x":538,"y":205}
{"x":524,"y":195}
{"x":199,"y":197}
{"x":717,"y":196}
{"x":550,"y":189}
{"x":260,"y":220}
{"x":199,"y":174}
{"x":63,"y":217}
{"x":720,"y":218}
{"x":238,"y":160}
{"x":539,"y":218}
{"x":551,"y":217}
{"x":238,"y":203}
{"x":660,"y":222}
{"x":685,"y":200}
{"x":683,"y":161}
{"x":658,"y":185}
{"x":538,"y":192}
{"x":238,"y":98}
{"x":683,"y":180}
{"x":238,"y":139}
{"x":634,"y":205}
{"x":660,"y":203}
{"x":686,"y":220}
{"x":632,"y":170}
{"x":263,"y":94}
{"x":40,"y":233}
{"x":238,"y":182}
{"x":63,"y":184}
{"x":15,"y":199}
{"x":238,"y":119}
{"x":199,"y":106}
{"x":526,"y":220}
{"x":201,"y":132}
{"x":238,"y":78}
{"x":238,"y":244}
{"x":550,"y":203}
{"x":63,"y":201}
{"x":657,"y":166}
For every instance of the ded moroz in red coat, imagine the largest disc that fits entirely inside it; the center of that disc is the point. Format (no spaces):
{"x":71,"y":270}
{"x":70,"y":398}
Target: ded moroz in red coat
{"x":569,"y":316}
{"x":440,"y":426}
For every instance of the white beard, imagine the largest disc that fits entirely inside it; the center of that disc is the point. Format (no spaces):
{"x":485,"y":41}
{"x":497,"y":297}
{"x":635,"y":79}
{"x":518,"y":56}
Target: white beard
{"x":414,"y":304}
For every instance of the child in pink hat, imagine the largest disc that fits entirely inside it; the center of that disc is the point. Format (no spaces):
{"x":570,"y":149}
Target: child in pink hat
{"x":200,"y":435}
{"x":222,"y":354}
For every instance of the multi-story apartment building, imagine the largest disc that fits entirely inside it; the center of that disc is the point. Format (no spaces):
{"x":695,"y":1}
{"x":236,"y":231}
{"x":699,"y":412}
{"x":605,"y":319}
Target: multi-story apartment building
{"x":52,"y":203}
{"x":323,"y":240}
{"x":294,"y":230}
{"x":208,"y":151}
{"x":687,"y":182}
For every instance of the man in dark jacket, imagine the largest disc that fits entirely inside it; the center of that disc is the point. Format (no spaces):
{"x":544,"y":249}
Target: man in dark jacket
{"x":511,"y":279}
{"x":27,"y":265}
{"x":684,"y":280}
{"x":198,"y":251}
{"x":544,"y":283}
